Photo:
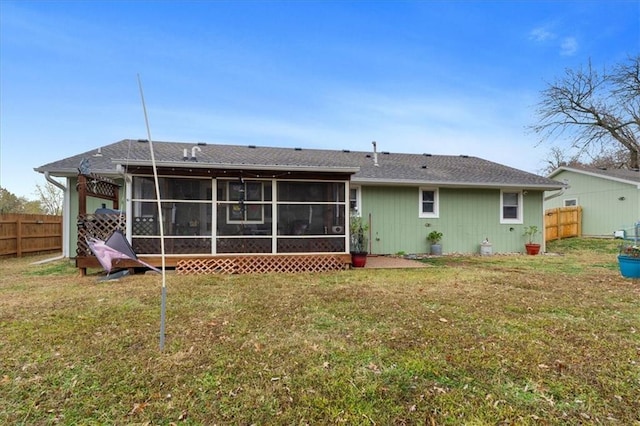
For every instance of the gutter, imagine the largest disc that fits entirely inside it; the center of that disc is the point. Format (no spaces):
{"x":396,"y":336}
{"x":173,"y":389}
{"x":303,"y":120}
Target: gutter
{"x":557,"y":194}
{"x":51,"y":180}
{"x":460,"y":184}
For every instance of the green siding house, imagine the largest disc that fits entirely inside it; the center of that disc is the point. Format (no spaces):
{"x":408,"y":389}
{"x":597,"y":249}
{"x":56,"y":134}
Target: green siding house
{"x":229,"y":199}
{"x":610,"y":198}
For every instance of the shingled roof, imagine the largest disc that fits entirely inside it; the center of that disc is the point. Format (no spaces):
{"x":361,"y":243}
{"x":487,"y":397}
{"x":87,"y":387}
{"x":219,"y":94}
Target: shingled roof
{"x":621,"y":175}
{"x":391,"y":168}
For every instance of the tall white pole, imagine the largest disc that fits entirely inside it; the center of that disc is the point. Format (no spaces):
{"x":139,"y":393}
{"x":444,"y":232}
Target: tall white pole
{"x":163,"y":306}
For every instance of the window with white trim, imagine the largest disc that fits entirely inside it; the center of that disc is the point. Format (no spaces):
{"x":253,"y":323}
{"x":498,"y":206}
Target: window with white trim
{"x":355,"y":200}
{"x":429,"y":206}
{"x":510,"y":206}
{"x":570,"y":202}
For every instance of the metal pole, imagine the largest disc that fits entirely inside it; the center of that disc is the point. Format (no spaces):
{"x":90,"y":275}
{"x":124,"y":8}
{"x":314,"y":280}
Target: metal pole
{"x":163,"y":304}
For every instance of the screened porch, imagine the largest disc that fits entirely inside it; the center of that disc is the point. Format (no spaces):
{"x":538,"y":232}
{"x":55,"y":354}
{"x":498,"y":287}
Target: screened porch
{"x":223,"y":224}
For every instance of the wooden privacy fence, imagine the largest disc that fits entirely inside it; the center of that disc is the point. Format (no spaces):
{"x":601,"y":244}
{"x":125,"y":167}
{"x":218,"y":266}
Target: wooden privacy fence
{"x":562,"y":222}
{"x":22,"y":234}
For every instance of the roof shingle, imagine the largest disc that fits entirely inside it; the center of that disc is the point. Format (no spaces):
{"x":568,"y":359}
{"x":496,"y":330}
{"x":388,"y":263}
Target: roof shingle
{"x":609,"y":173}
{"x":391,"y":168}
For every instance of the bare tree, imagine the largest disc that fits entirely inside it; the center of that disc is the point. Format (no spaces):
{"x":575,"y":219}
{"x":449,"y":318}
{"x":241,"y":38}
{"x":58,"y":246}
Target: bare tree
{"x":608,"y":158}
{"x":556,"y":157}
{"x":50,"y":198}
{"x":611,"y":158}
{"x":598,"y":110}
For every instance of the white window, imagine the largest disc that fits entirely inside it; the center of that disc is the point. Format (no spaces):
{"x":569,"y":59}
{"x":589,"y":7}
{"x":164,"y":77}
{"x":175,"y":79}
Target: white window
{"x":570,"y":202}
{"x":355,"y":201}
{"x":511,"y":207}
{"x":429,"y":203}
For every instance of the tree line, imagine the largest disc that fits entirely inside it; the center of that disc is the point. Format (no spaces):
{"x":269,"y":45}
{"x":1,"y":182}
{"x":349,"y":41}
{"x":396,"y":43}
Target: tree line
{"x":49,"y":201}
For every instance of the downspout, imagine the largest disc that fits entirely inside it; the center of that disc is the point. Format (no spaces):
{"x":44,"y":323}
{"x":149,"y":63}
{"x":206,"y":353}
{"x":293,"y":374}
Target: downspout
{"x":128,"y":195}
{"x":559,"y":193}
{"x":49,"y":179}
{"x":126,"y":205}
{"x":65,"y":212}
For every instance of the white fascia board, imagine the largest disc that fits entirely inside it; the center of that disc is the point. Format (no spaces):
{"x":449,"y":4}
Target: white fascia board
{"x":74,"y":172}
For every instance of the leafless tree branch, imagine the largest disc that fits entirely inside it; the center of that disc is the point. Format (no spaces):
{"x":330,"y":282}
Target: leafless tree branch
{"x":594,"y":109}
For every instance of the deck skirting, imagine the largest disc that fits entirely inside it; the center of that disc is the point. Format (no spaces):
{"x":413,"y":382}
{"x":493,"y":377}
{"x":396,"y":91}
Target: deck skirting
{"x":234,"y":264}
{"x":259,"y":264}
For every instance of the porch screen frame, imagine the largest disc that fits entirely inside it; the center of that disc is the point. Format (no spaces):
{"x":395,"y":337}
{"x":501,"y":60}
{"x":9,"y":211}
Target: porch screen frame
{"x":327,"y":239}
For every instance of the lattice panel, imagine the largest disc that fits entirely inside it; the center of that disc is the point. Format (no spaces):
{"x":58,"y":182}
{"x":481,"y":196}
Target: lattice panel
{"x":145,"y":226}
{"x":99,"y":226}
{"x":267,"y":264}
{"x":261,"y":264}
{"x":206,"y":266}
{"x":188,"y":245}
{"x":99,"y":186}
{"x":329,"y":245}
{"x":310,"y":245}
{"x":243,"y":245}
{"x":146,"y":245}
{"x":171,"y":245}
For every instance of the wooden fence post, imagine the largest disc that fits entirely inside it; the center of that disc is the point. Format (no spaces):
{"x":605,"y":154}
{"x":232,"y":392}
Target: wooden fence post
{"x":19,"y":236}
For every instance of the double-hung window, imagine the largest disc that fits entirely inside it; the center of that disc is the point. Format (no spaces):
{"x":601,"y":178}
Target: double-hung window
{"x":429,"y":206}
{"x":510,"y":206}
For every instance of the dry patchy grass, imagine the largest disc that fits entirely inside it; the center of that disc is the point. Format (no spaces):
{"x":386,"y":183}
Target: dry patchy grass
{"x":501,"y":340}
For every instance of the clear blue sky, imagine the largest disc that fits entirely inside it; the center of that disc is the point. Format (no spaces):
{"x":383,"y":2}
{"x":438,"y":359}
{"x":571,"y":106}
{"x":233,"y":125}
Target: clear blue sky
{"x":443,"y":77}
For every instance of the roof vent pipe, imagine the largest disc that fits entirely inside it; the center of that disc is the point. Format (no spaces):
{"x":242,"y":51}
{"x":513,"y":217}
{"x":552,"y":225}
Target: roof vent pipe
{"x":193,"y":152}
{"x":375,"y":154}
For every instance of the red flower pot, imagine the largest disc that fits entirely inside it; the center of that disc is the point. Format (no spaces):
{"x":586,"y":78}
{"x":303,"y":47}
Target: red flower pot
{"x":358,"y":260}
{"x":532,"y":249}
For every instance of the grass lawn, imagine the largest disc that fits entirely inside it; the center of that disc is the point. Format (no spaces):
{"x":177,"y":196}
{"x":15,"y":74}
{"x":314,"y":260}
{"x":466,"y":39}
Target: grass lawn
{"x":551,"y":339}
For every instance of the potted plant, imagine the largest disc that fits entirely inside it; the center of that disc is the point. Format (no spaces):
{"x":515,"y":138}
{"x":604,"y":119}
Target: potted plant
{"x":530,"y":232}
{"x":434,"y":238}
{"x":358,"y":228}
{"x":629,"y":260}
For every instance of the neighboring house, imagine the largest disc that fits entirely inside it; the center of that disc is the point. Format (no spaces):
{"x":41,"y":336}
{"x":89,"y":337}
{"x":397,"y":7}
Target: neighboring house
{"x":610,"y":198}
{"x":223,"y":199}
